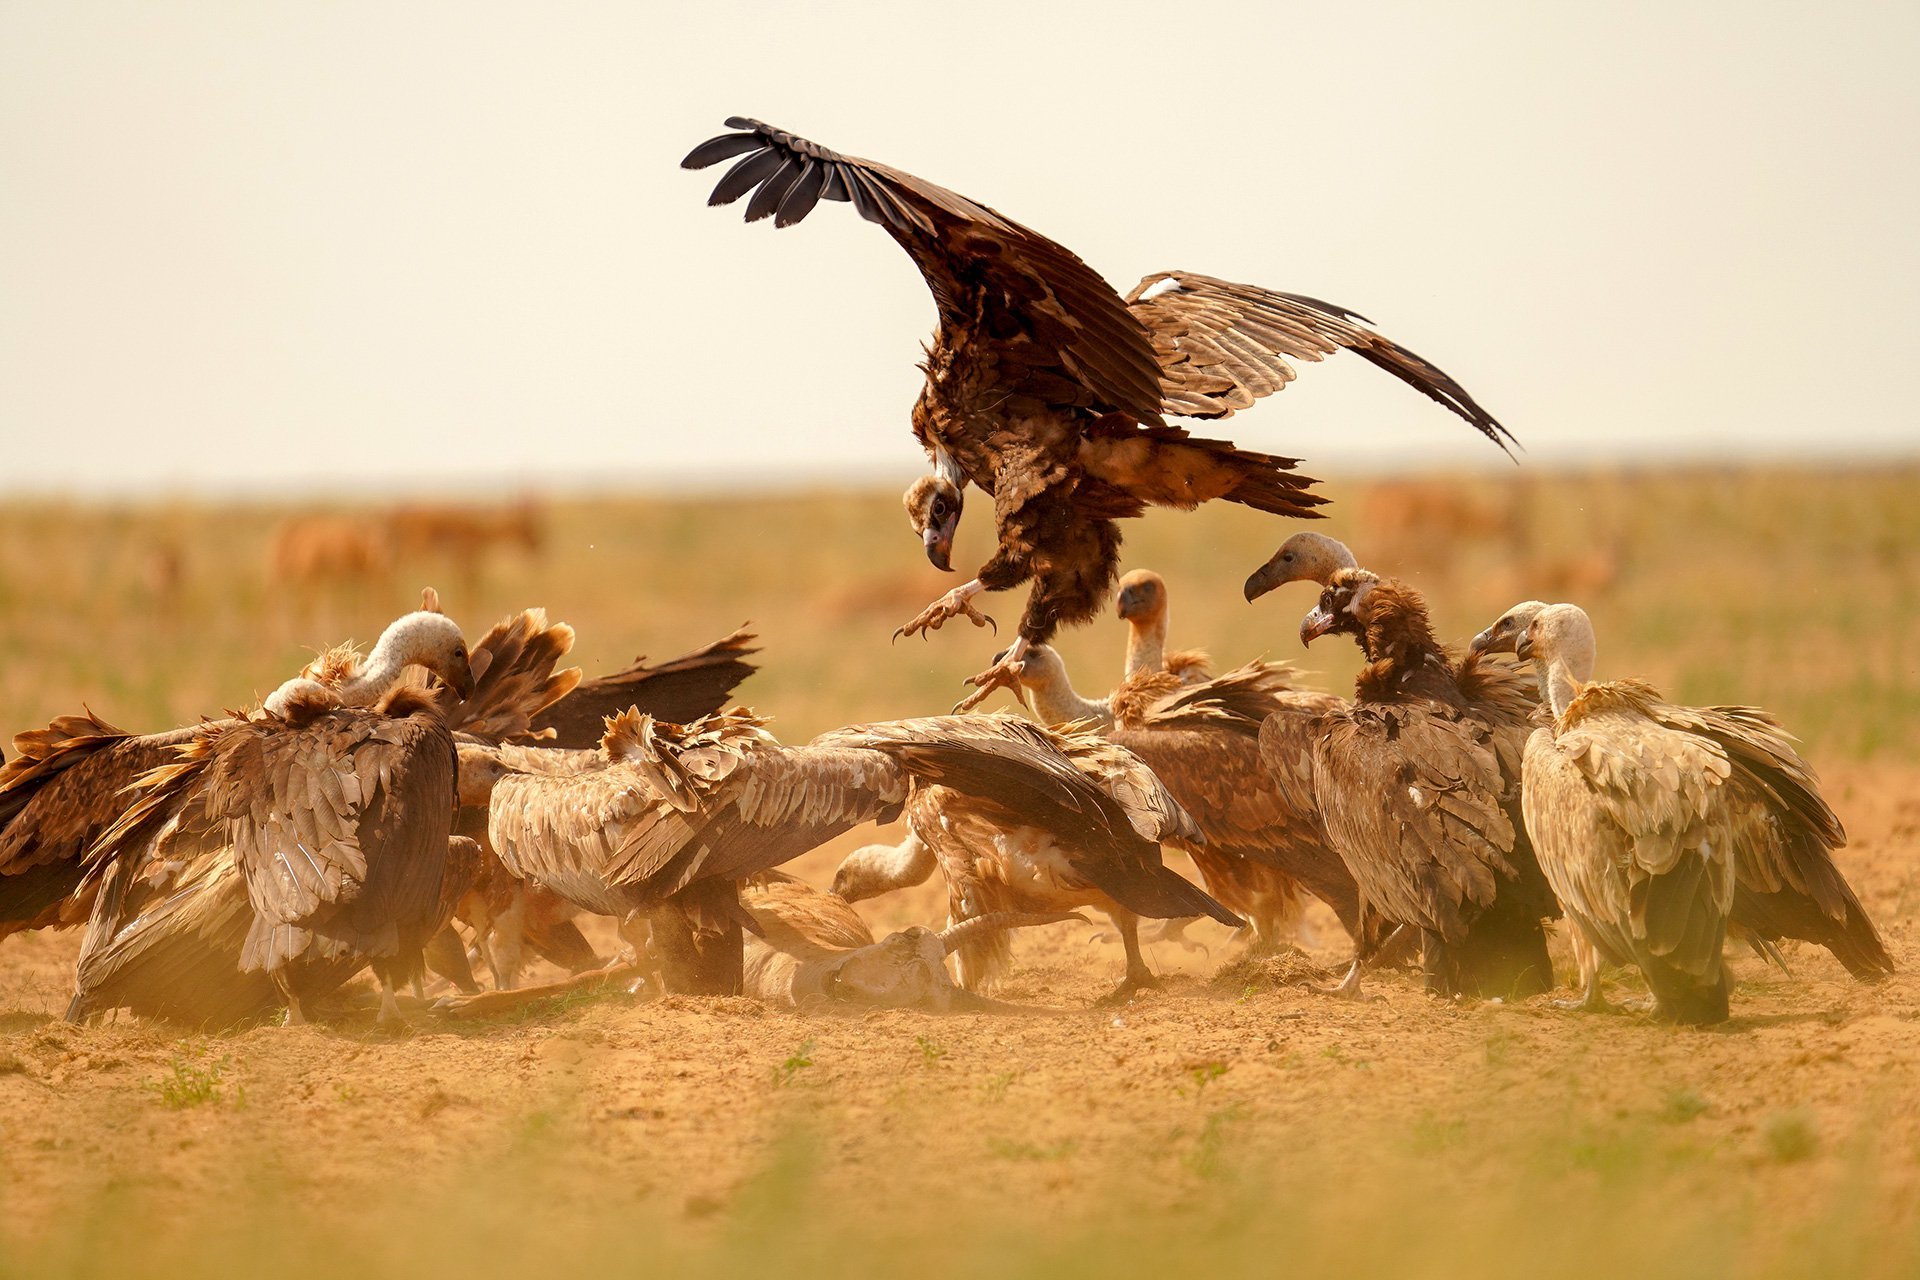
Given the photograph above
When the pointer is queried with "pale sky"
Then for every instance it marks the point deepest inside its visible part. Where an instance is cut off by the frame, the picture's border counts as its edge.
(263, 247)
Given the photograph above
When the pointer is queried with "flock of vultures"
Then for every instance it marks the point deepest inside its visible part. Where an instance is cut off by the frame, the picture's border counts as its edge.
(453, 805)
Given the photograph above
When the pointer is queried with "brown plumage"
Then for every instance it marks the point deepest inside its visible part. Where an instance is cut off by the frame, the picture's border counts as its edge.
(1637, 825)
(680, 691)
(66, 784)
(1046, 389)
(1263, 844)
(668, 819)
(1786, 883)
(307, 846)
(1417, 782)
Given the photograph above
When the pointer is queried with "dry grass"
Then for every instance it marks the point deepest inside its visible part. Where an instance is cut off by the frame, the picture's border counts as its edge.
(1232, 1125)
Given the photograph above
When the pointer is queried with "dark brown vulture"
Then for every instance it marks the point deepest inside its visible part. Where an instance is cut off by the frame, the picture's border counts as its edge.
(299, 846)
(680, 692)
(1786, 883)
(667, 820)
(1203, 742)
(65, 785)
(1046, 389)
(1637, 825)
(1417, 783)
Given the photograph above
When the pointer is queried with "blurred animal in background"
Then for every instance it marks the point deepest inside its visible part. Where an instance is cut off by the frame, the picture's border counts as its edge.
(1046, 389)
(313, 552)
(461, 539)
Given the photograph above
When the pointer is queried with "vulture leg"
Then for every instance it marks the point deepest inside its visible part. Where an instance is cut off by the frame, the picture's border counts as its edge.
(697, 933)
(1003, 674)
(389, 1015)
(957, 603)
(1138, 975)
(296, 1016)
(447, 956)
(1348, 988)
(1175, 931)
(506, 941)
(1590, 1001)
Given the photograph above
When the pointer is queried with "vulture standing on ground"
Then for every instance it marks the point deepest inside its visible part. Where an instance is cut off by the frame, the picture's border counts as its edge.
(1786, 883)
(1417, 783)
(1637, 823)
(1046, 389)
(335, 820)
(1203, 743)
(666, 820)
(66, 784)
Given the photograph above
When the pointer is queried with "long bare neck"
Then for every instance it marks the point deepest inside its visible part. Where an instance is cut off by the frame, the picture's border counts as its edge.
(376, 675)
(1147, 643)
(1056, 702)
(1562, 687)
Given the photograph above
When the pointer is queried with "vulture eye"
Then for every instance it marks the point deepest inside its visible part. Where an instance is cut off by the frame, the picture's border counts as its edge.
(1287, 556)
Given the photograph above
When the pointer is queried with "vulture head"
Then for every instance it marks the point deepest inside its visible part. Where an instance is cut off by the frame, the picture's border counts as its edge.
(933, 507)
(480, 768)
(1342, 607)
(1560, 635)
(1142, 596)
(430, 640)
(1504, 635)
(1305, 557)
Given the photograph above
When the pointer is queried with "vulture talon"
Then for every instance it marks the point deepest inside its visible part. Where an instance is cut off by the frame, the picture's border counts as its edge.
(955, 604)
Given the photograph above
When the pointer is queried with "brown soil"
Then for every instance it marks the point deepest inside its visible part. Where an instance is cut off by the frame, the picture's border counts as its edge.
(677, 1103)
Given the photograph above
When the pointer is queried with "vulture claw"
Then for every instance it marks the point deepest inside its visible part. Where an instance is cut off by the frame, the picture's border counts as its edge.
(1004, 674)
(957, 603)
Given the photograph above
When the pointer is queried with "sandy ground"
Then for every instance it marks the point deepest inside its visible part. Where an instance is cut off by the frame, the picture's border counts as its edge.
(676, 1104)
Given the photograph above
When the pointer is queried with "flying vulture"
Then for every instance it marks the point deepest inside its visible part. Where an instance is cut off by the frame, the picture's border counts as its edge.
(1785, 882)
(1417, 783)
(1047, 389)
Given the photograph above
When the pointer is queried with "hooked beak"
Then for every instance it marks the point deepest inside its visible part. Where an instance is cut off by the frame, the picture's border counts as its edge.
(1523, 645)
(1264, 579)
(460, 679)
(1481, 643)
(939, 543)
(1129, 602)
(1316, 624)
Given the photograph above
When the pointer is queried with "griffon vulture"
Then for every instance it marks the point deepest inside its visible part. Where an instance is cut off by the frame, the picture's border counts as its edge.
(1203, 743)
(299, 845)
(1141, 602)
(1637, 824)
(1417, 783)
(1786, 884)
(1046, 389)
(66, 783)
(666, 820)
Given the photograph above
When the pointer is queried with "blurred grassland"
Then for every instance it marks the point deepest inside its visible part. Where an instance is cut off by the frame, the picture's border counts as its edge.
(1794, 588)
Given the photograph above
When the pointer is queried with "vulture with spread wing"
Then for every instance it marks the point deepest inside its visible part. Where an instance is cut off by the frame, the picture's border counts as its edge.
(1417, 783)
(665, 820)
(1203, 742)
(298, 845)
(1786, 884)
(66, 784)
(1047, 389)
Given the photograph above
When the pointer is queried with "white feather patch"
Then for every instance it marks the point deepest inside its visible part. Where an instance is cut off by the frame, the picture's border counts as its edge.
(1157, 288)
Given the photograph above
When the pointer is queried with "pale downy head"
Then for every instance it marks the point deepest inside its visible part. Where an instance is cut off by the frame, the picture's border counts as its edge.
(480, 768)
(1305, 557)
(1504, 635)
(425, 639)
(1141, 597)
(1561, 635)
(933, 508)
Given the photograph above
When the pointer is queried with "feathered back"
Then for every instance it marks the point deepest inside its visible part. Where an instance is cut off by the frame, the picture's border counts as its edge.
(680, 691)
(514, 678)
(685, 763)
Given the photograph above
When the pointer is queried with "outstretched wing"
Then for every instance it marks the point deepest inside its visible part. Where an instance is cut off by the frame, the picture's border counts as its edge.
(679, 691)
(1060, 331)
(1222, 345)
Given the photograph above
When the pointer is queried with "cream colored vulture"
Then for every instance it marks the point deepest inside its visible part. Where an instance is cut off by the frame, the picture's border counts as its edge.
(1304, 557)
(1637, 825)
(665, 821)
(1141, 602)
(1203, 742)
(66, 783)
(1417, 783)
(337, 823)
(1786, 884)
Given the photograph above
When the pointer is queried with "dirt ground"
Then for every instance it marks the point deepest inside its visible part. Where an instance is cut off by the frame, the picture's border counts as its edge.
(678, 1104)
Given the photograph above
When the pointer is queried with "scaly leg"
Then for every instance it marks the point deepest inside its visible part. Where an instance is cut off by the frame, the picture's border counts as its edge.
(1138, 975)
(956, 603)
(1587, 956)
(1003, 674)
